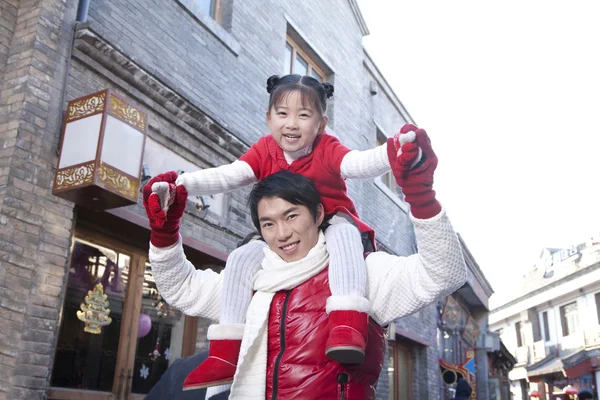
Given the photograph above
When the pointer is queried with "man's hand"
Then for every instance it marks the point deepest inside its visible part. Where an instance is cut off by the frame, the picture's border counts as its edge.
(164, 221)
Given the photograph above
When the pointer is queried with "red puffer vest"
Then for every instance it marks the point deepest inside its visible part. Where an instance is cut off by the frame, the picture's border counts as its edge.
(297, 367)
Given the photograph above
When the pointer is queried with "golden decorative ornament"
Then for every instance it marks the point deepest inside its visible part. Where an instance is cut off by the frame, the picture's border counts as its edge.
(114, 179)
(94, 312)
(129, 114)
(85, 107)
(74, 176)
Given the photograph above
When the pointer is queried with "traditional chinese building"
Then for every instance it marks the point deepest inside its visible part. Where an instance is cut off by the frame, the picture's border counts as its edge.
(552, 326)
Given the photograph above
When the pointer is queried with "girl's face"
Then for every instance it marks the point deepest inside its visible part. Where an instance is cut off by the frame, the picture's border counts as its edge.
(294, 125)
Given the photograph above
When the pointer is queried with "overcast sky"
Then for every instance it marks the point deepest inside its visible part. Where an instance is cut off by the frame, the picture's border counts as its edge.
(510, 95)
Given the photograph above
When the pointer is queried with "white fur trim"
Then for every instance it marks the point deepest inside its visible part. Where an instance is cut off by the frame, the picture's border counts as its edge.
(225, 332)
(345, 303)
(161, 189)
(407, 137)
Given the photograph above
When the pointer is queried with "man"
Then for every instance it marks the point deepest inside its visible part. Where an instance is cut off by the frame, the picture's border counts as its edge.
(282, 350)
(463, 390)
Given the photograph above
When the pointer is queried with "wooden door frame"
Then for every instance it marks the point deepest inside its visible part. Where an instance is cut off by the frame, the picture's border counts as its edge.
(132, 304)
(394, 346)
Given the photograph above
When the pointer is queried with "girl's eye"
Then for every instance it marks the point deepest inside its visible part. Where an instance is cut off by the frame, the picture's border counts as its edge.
(304, 115)
(281, 113)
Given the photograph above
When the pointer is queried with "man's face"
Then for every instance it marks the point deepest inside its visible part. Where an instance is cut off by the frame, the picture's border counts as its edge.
(289, 229)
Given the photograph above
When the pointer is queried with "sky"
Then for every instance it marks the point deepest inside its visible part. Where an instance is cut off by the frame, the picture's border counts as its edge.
(509, 93)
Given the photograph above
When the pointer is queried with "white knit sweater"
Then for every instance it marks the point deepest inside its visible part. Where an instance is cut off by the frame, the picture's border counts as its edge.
(397, 286)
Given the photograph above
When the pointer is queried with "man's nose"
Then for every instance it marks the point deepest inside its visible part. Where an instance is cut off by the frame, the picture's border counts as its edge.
(283, 232)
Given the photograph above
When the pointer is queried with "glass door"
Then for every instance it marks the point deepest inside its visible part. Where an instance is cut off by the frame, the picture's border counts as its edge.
(111, 322)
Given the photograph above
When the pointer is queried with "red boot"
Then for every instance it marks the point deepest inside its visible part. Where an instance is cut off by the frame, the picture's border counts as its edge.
(348, 329)
(219, 367)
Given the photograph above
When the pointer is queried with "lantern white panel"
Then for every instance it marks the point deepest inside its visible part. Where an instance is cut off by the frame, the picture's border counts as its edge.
(122, 147)
(80, 141)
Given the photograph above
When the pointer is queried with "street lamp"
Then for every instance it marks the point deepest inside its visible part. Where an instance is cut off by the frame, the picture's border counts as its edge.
(101, 151)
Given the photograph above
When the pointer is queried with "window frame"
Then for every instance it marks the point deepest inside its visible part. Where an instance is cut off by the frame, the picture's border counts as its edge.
(519, 332)
(216, 10)
(597, 299)
(312, 65)
(564, 320)
(545, 325)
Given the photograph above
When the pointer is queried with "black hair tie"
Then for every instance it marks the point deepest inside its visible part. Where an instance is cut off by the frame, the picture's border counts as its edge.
(272, 82)
(328, 89)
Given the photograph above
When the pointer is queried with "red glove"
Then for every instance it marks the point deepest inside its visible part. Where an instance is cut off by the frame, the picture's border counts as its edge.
(164, 228)
(417, 183)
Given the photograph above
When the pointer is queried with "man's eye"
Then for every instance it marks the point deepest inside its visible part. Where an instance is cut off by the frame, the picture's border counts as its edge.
(292, 216)
(267, 225)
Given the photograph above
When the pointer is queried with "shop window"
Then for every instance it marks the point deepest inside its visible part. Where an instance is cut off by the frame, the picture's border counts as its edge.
(569, 318)
(446, 345)
(99, 359)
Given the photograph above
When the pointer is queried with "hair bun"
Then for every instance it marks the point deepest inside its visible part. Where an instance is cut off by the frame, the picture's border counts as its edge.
(328, 89)
(272, 82)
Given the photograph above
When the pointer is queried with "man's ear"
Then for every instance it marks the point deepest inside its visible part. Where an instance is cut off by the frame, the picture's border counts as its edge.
(320, 214)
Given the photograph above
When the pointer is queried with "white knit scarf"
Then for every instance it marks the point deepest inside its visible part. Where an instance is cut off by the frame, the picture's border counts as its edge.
(250, 377)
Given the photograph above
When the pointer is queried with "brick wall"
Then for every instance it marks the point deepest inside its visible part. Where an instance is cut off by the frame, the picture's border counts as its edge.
(35, 226)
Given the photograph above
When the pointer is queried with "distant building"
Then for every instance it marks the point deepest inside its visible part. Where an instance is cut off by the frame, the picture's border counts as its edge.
(553, 328)
(465, 344)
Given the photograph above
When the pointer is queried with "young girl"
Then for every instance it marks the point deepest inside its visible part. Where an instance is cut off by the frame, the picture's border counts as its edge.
(298, 143)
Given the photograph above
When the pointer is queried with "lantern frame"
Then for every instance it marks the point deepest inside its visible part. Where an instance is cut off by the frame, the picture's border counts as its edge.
(94, 183)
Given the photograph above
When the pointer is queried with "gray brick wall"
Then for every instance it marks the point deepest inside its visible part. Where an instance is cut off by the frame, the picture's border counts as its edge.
(35, 226)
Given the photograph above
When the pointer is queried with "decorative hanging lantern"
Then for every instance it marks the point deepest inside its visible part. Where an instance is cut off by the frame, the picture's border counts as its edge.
(94, 312)
(535, 394)
(101, 152)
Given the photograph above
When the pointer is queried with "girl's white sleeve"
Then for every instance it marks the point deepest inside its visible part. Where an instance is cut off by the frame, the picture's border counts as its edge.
(364, 164)
(399, 286)
(217, 180)
(195, 292)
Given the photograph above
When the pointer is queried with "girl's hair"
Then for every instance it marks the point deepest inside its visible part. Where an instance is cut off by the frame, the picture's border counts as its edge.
(311, 90)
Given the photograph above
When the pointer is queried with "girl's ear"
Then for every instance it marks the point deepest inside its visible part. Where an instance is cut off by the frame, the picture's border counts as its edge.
(268, 115)
(324, 122)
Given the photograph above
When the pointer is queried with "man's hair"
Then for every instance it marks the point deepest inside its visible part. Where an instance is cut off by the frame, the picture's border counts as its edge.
(585, 395)
(288, 186)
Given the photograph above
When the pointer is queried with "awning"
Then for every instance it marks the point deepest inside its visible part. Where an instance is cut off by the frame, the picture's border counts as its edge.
(572, 365)
(545, 367)
(581, 368)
